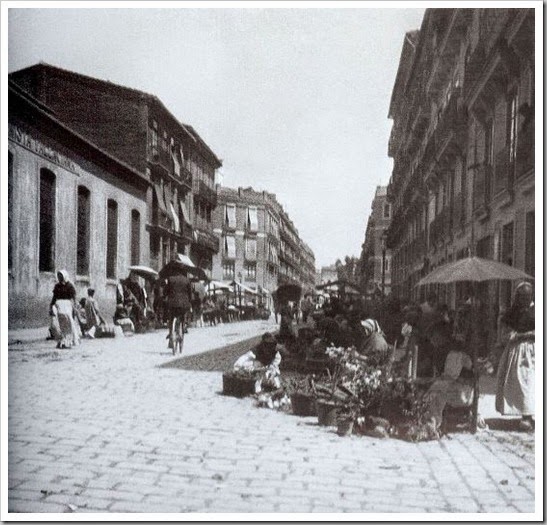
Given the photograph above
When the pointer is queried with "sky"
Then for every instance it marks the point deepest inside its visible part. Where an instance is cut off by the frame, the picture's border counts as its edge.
(294, 101)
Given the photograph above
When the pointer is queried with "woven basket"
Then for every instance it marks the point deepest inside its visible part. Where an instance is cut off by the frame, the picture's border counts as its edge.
(327, 413)
(239, 387)
(303, 404)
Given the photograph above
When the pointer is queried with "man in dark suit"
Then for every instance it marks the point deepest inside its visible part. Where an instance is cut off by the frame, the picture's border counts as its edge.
(178, 294)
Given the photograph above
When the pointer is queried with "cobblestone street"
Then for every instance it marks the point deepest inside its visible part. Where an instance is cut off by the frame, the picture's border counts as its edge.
(102, 429)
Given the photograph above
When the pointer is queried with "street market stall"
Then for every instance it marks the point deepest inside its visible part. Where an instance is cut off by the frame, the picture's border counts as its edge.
(246, 300)
(473, 270)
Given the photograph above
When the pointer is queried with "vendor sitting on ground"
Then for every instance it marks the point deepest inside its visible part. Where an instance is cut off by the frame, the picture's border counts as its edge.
(265, 357)
(454, 387)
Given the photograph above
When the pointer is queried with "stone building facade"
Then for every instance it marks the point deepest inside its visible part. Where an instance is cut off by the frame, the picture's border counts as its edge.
(139, 130)
(259, 245)
(329, 274)
(71, 206)
(375, 261)
(462, 142)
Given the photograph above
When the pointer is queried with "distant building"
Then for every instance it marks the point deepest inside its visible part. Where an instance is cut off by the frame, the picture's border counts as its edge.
(318, 278)
(375, 259)
(329, 274)
(72, 206)
(259, 245)
(139, 130)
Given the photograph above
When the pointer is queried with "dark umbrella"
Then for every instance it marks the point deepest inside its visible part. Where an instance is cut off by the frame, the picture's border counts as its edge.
(178, 267)
(288, 292)
(474, 270)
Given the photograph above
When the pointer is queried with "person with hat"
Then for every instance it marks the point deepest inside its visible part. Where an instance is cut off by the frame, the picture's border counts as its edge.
(178, 299)
(266, 358)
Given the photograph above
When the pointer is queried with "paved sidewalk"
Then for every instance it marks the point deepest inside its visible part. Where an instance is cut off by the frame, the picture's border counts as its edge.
(102, 429)
(27, 335)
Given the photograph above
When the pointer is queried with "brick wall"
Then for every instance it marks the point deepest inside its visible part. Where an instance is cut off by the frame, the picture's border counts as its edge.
(107, 116)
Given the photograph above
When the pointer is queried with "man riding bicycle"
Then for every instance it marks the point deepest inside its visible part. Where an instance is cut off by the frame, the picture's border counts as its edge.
(178, 293)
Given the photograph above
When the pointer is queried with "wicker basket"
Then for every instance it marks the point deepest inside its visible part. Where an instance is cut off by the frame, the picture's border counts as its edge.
(239, 387)
(303, 404)
(345, 426)
(327, 413)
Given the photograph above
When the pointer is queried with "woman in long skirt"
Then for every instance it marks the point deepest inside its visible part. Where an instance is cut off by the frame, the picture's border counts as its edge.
(62, 311)
(515, 394)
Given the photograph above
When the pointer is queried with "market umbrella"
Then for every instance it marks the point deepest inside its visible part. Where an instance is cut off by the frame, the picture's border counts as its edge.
(214, 286)
(288, 292)
(243, 288)
(143, 271)
(474, 270)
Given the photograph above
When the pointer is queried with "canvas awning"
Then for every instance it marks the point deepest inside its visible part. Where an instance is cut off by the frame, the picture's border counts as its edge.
(176, 164)
(218, 286)
(167, 193)
(185, 213)
(244, 288)
(175, 217)
(161, 201)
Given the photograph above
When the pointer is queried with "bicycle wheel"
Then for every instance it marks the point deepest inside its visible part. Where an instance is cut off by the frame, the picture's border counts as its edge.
(180, 335)
(173, 336)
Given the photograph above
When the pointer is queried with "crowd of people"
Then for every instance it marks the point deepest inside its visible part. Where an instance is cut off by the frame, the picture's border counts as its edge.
(71, 320)
(427, 341)
(141, 307)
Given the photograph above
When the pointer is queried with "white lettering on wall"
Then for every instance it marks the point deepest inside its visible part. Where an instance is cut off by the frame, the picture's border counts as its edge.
(15, 134)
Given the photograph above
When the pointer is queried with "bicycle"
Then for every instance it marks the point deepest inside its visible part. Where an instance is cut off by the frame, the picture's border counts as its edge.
(176, 338)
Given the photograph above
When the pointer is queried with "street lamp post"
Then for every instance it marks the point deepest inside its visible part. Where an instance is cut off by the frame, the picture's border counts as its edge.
(384, 235)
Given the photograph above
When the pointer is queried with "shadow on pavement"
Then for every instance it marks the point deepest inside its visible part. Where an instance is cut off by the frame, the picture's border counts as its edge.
(505, 424)
(218, 360)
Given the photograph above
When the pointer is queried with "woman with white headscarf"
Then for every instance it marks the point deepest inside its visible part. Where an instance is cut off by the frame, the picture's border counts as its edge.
(515, 394)
(64, 328)
(374, 339)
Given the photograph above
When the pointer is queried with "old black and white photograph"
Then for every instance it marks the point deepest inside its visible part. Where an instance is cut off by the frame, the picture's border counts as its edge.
(271, 261)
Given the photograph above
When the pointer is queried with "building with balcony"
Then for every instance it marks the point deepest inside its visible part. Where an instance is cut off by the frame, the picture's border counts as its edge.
(139, 130)
(71, 205)
(375, 261)
(328, 274)
(462, 143)
(259, 245)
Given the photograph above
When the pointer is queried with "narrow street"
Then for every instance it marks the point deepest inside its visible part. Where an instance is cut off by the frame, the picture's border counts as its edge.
(101, 428)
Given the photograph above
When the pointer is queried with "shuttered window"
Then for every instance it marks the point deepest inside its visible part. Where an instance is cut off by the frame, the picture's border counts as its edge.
(46, 261)
(252, 218)
(512, 123)
(228, 270)
(111, 238)
(83, 228)
(250, 271)
(230, 215)
(135, 237)
(230, 246)
(530, 248)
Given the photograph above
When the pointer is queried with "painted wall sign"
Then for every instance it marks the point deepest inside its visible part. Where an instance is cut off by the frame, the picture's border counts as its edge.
(17, 135)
